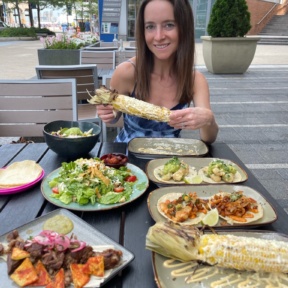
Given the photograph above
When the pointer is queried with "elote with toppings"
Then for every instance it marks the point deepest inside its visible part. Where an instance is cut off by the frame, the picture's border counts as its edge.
(130, 105)
(228, 251)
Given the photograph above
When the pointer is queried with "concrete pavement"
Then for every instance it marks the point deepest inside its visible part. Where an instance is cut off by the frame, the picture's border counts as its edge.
(19, 58)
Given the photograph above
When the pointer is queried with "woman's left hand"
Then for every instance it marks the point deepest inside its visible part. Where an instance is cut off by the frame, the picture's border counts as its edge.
(191, 118)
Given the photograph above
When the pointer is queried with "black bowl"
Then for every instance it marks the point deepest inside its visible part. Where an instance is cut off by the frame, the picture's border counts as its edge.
(71, 148)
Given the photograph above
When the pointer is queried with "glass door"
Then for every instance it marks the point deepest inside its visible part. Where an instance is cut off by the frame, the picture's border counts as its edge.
(201, 12)
(132, 9)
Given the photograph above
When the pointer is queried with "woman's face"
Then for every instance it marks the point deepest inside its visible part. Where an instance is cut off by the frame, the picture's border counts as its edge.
(161, 32)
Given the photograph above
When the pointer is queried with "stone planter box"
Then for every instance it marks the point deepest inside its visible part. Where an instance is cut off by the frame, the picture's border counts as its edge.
(59, 56)
(229, 55)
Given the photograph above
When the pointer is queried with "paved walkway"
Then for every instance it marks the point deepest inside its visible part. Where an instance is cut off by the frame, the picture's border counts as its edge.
(18, 58)
(251, 109)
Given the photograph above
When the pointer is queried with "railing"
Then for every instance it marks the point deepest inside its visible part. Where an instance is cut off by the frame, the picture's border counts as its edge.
(264, 17)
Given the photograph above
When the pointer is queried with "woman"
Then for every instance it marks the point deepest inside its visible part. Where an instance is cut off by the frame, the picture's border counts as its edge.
(162, 73)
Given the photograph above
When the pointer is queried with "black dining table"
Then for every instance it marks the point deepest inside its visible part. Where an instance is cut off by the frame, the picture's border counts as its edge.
(128, 224)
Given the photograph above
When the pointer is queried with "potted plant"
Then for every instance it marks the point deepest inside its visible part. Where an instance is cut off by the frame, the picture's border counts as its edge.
(64, 49)
(227, 49)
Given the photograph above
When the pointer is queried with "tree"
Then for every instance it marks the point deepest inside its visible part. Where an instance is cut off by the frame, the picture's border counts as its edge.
(229, 18)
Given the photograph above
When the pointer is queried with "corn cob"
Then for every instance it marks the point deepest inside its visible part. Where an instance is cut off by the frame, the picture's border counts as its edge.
(130, 105)
(244, 253)
(227, 251)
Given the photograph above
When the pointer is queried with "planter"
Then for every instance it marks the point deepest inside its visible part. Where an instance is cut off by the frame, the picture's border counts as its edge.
(59, 56)
(228, 55)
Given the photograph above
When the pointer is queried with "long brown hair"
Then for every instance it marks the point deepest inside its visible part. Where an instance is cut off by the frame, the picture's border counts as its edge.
(184, 59)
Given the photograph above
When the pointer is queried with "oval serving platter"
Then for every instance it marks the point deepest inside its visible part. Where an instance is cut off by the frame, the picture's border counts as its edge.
(197, 163)
(174, 274)
(207, 191)
(150, 148)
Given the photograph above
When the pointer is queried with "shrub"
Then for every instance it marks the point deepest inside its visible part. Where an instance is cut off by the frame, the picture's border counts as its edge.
(59, 42)
(18, 32)
(66, 41)
(229, 18)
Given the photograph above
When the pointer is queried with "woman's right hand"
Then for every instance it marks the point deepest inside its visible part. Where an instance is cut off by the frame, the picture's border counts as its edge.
(106, 113)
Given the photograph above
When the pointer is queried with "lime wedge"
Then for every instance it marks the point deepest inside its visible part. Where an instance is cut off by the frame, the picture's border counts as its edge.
(211, 218)
(193, 180)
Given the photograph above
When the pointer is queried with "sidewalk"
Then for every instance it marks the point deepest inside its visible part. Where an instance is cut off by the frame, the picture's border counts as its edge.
(19, 58)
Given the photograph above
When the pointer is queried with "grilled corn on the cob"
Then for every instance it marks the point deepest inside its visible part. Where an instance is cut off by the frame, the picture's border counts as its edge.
(244, 253)
(228, 251)
(130, 105)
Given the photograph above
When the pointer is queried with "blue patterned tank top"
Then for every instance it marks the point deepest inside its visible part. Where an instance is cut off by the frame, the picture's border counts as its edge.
(139, 127)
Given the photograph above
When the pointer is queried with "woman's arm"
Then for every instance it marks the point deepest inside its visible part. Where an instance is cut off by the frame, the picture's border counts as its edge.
(123, 82)
(200, 116)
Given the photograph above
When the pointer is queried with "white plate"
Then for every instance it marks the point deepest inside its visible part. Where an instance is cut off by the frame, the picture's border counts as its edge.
(84, 231)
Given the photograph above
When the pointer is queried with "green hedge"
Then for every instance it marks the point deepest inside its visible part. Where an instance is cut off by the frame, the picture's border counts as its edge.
(25, 32)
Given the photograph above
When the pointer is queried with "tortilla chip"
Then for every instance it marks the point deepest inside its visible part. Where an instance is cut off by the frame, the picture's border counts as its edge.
(205, 178)
(25, 274)
(171, 197)
(158, 173)
(43, 276)
(78, 276)
(18, 254)
(58, 281)
(94, 266)
(19, 173)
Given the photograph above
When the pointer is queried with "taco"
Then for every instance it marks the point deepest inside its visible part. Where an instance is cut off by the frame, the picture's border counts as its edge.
(174, 171)
(236, 207)
(219, 171)
(184, 209)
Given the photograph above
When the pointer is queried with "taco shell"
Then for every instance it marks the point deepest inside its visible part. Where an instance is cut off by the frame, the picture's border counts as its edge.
(256, 217)
(202, 174)
(19, 173)
(171, 197)
(158, 173)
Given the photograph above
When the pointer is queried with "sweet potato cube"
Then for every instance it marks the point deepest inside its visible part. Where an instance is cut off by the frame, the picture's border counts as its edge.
(18, 254)
(78, 276)
(25, 274)
(95, 266)
(58, 281)
(43, 276)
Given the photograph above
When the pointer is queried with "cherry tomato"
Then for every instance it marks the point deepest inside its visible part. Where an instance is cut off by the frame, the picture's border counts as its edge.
(118, 189)
(131, 178)
(55, 190)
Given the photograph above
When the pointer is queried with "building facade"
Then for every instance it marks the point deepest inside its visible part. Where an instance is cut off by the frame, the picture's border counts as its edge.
(119, 16)
(261, 13)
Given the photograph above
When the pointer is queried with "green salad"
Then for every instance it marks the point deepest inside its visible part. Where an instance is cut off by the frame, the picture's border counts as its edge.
(73, 132)
(90, 181)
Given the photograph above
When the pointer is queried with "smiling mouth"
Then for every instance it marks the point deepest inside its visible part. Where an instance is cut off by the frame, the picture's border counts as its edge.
(161, 46)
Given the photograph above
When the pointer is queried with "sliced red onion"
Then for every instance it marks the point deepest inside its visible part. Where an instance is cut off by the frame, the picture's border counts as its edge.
(51, 240)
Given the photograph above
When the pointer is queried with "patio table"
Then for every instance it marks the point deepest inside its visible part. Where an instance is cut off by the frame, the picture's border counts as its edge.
(127, 224)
